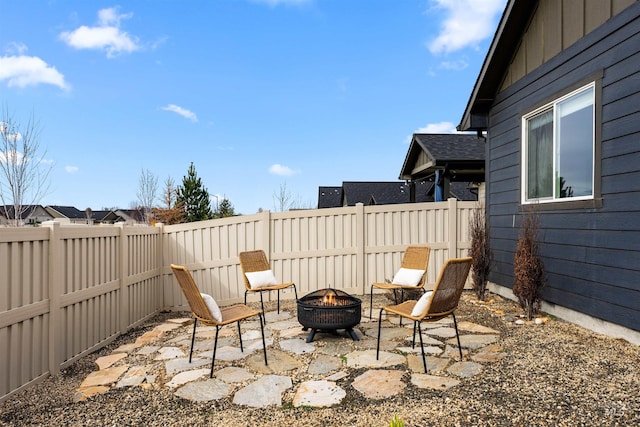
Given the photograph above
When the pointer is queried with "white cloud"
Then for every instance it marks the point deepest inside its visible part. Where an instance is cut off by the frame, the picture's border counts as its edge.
(281, 170)
(457, 65)
(467, 23)
(442, 127)
(16, 48)
(71, 169)
(107, 35)
(22, 71)
(181, 111)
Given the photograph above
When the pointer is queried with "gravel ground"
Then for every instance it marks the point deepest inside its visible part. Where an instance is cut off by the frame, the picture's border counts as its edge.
(554, 374)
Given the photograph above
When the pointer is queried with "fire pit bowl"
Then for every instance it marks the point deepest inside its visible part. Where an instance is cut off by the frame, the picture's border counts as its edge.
(329, 310)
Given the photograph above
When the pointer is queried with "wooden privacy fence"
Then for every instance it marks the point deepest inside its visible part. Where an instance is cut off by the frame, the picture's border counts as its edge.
(66, 291)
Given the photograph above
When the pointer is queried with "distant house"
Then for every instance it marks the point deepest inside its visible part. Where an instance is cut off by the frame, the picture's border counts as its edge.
(31, 215)
(70, 214)
(453, 163)
(559, 99)
(89, 216)
(371, 193)
(127, 216)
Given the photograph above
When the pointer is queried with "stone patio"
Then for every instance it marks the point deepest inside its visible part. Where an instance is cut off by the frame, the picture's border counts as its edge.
(312, 374)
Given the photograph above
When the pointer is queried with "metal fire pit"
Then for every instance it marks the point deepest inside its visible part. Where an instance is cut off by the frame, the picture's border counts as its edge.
(329, 310)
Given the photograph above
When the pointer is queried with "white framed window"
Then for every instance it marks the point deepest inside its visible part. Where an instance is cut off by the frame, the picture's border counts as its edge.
(558, 149)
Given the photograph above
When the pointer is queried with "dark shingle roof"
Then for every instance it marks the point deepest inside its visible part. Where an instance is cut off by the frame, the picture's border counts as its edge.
(69, 212)
(329, 197)
(460, 155)
(375, 193)
(452, 146)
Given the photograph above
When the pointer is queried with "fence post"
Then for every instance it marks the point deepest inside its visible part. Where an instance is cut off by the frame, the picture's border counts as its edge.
(55, 292)
(160, 301)
(124, 273)
(453, 227)
(265, 233)
(360, 246)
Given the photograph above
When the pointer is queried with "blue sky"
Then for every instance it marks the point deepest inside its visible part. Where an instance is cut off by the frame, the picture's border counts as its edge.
(256, 93)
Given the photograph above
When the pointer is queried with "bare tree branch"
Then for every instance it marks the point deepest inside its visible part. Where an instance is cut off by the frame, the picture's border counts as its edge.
(24, 170)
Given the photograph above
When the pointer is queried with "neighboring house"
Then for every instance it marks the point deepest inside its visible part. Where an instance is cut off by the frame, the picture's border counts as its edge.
(31, 215)
(128, 216)
(454, 163)
(387, 193)
(88, 216)
(559, 98)
(368, 193)
(71, 214)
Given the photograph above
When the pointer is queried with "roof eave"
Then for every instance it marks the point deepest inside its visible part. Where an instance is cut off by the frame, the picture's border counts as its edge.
(512, 24)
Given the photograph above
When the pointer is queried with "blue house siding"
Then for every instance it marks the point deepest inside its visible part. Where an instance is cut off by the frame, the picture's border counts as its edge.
(591, 255)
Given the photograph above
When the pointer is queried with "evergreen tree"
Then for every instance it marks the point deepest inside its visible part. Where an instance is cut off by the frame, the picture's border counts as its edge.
(194, 197)
(225, 209)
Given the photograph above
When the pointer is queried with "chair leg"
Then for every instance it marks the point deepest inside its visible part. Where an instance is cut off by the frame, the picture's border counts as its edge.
(371, 304)
(413, 342)
(264, 346)
(295, 291)
(379, 331)
(240, 336)
(245, 297)
(262, 303)
(457, 335)
(193, 337)
(278, 301)
(424, 360)
(215, 347)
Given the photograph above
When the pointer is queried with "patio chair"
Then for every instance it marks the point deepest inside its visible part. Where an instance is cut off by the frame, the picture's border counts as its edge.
(205, 309)
(411, 275)
(258, 276)
(434, 305)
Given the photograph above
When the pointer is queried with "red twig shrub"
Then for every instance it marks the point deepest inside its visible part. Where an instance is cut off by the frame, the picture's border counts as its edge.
(529, 276)
(480, 251)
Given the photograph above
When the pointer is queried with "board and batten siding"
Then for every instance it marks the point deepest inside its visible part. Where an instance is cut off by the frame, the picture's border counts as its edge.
(590, 255)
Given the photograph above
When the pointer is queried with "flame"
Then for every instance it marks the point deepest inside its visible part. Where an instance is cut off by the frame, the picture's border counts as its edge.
(329, 299)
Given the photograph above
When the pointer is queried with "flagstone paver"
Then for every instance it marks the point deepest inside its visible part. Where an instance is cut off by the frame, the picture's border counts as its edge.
(474, 342)
(297, 346)
(434, 364)
(442, 332)
(87, 392)
(266, 391)
(179, 365)
(148, 349)
(318, 394)
(106, 361)
(433, 381)
(169, 353)
(428, 349)
(379, 383)
(473, 327)
(274, 316)
(367, 359)
(465, 369)
(279, 362)
(136, 375)
(490, 353)
(232, 374)
(337, 376)
(104, 376)
(324, 364)
(186, 376)
(336, 347)
(204, 391)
